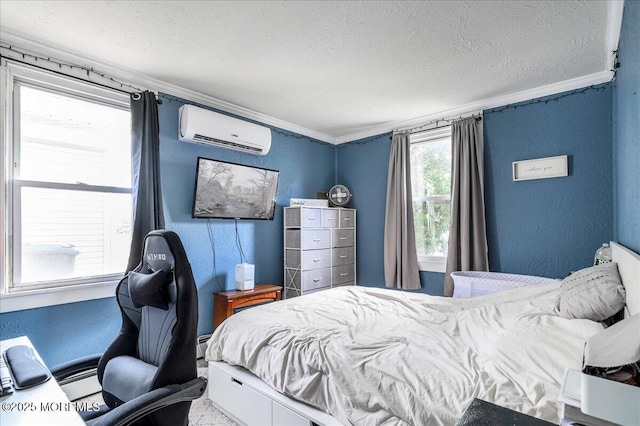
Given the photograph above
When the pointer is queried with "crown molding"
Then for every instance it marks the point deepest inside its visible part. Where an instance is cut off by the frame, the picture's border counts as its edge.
(615, 9)
(230, 108)
(145, 82)
(484, 104)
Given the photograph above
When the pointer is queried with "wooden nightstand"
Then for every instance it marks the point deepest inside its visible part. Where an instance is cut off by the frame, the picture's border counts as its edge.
(226, 302)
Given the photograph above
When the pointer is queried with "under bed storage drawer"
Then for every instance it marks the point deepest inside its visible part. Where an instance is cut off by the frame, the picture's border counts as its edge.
(250, 401)
(239, 400)
(282, 416)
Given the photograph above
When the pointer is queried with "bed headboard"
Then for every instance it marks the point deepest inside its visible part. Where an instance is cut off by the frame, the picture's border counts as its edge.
(629, 268)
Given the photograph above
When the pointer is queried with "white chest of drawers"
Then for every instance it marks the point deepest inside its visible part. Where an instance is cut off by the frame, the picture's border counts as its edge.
(319, 249)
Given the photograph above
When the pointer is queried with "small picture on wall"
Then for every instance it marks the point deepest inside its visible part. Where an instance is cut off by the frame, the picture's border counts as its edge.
(540, 168)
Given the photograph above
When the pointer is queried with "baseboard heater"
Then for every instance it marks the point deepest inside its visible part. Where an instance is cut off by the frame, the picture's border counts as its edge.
(201, 347)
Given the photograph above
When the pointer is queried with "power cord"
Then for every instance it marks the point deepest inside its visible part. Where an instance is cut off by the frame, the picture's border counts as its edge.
(243, 258)
(213, 254)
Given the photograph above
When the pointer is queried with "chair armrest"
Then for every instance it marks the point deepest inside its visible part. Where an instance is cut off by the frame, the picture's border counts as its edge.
(143, 405)
(68, 369)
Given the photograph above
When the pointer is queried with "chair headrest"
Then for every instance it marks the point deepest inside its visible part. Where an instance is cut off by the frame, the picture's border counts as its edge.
(150, 289)
(157, 254)
(153, 282)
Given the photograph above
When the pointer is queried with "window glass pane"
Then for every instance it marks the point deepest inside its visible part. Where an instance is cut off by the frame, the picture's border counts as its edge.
(73, 234)
(431, 185)
(431, 168)
(431, 220)
(70, 140)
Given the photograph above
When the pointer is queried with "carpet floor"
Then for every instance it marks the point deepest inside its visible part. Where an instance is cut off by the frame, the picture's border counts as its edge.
(202, 412)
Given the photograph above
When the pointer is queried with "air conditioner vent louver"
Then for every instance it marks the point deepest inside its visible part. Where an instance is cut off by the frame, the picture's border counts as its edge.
(232, 145)
(211, 128)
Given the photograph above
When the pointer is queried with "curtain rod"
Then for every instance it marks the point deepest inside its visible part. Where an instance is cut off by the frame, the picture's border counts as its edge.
(447, 122)
(88, 70)
(63, 74)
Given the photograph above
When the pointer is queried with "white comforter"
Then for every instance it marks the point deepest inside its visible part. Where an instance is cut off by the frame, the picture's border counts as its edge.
(373, 356)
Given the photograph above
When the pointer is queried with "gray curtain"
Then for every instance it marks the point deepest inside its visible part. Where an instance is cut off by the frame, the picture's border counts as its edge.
(145, 164)
(400, 258)
(467, 234)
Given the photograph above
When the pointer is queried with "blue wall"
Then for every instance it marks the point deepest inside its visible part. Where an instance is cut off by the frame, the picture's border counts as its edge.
(549, 227)
(542, 227)
(362, 167)
(626, 110)
(65, 332)
(306, 166)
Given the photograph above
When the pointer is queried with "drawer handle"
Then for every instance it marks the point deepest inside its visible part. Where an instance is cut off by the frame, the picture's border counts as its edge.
(311, 218)
(316, 260)
(343, 238)
(236, 381)
(316, 240)
(347, 218)
(343, 275)
(344, 256)
(315, 280)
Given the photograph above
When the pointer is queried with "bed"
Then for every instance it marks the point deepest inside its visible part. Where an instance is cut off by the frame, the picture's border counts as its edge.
(377, 356)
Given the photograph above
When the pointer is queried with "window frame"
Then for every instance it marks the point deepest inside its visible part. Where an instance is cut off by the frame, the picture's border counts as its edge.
(432, 263)
(14, 298)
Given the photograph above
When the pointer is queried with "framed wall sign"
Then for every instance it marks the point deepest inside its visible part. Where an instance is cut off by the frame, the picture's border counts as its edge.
(540, 168)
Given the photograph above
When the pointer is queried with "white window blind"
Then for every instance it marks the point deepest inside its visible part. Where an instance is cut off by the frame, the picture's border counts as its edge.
(70, 192)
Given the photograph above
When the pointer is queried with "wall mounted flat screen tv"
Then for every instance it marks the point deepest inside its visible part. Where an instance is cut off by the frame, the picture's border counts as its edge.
(234, 191)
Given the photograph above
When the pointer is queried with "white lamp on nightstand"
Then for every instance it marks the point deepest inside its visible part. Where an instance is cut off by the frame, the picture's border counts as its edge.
(604, 398)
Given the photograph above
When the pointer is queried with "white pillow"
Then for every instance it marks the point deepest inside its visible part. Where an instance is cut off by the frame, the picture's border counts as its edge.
(594, 293)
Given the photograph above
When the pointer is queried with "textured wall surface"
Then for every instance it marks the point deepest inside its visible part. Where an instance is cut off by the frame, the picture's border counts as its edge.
(549, 227)
(626, 109)
(362, 167)
(65, 332)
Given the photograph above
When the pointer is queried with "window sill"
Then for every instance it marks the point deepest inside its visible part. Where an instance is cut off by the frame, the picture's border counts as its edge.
(30, 299)
(432, 264)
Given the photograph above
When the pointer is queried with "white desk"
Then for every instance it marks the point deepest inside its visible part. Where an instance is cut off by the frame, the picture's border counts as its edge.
(44, 404)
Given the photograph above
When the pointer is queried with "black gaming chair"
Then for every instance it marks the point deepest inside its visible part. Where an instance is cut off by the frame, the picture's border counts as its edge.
(148, 374)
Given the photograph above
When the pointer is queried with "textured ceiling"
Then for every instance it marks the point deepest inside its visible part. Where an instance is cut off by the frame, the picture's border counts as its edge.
(336, 68)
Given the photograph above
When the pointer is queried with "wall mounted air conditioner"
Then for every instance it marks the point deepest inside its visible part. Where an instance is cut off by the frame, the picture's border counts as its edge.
(211, 128)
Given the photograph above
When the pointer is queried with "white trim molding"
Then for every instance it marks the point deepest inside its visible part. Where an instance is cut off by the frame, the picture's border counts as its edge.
(21, 300)
(432, 263)
(615, 9)
(21, 297)
(484, 104)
